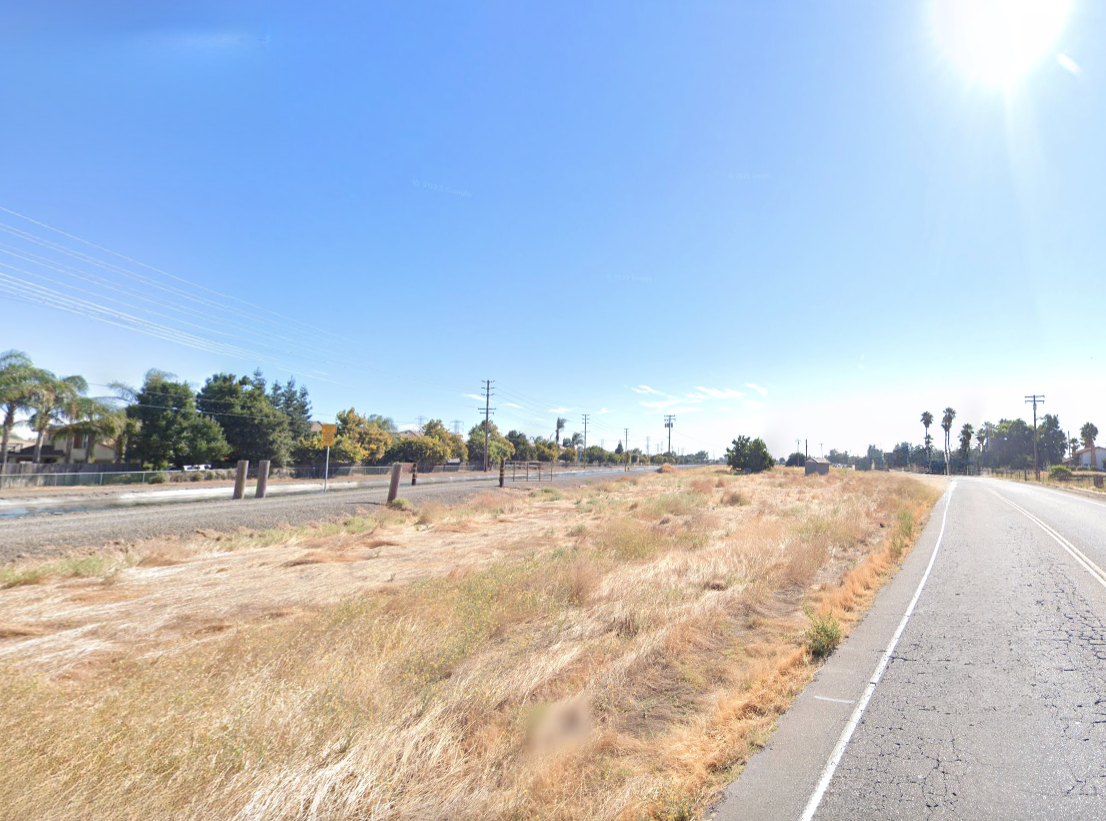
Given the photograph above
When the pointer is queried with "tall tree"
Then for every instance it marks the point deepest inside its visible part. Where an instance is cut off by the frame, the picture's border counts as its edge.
(254, 428)
(18, 379)
(170, 429)
(53, 401)
(366, 433)
(1089, 433)
(498, 445)
(927, 420)
(946, 426)
(294, 403)
(1052, 442)
(560, 426)
(965, 449)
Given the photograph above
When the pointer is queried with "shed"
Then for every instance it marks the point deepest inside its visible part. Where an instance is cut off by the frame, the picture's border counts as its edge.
(815, 465)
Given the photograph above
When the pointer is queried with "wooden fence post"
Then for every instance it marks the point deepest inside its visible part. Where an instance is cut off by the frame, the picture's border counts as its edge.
(393, 488)
(262, 479)
(240, 479)
(502, 472)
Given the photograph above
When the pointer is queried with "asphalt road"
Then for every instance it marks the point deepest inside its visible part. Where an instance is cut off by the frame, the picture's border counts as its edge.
(44, 534)
(992, 703)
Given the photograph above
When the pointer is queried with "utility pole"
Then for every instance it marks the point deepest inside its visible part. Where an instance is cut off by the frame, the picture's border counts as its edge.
(586, 415)
(821, 452)
(669, 418)
(487, 417)
(1035, 398)
(626, 445)
(647, 448)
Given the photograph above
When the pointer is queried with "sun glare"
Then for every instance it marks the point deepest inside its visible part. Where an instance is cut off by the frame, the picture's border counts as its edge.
(998, 41)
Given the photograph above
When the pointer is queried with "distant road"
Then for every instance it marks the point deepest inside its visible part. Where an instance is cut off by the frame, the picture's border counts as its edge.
(46, 534)
(993, 702)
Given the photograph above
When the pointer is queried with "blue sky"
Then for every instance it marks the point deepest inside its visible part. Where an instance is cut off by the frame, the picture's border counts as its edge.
(796, 220)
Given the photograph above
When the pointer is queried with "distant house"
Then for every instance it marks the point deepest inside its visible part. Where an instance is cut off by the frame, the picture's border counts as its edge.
(816, 465)
(55, 450)
(1089, 457)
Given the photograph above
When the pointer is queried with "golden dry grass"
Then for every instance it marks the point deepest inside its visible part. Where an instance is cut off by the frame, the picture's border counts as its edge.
(612, 654)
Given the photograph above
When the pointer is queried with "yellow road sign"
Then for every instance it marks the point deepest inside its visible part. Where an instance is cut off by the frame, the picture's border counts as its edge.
(328, 432)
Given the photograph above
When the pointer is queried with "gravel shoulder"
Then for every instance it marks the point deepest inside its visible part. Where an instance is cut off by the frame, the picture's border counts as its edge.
(47, 535)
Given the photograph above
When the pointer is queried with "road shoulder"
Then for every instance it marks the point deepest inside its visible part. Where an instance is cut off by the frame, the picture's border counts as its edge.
(778, 781)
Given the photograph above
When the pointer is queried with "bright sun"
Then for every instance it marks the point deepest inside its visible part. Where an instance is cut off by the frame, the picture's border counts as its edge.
(997, 41)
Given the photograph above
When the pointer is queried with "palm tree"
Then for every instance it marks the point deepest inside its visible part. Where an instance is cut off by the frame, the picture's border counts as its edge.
(94, 420)
(52, 400)
(1089, 433)
(946, 426)
(927, 420)
(18, 378)
(557, 433)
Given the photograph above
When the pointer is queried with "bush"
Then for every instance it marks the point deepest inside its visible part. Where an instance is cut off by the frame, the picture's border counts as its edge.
(1059, 473)
(399, 503)
(157, 479)
(823, 635)
(749, 456)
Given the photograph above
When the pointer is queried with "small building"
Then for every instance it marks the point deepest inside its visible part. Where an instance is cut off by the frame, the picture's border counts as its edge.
(1089, 457)
(816, 465)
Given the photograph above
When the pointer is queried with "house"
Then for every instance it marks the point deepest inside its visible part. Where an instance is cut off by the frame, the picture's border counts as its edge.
(816, 465)
(56, 449)
(1089, 457)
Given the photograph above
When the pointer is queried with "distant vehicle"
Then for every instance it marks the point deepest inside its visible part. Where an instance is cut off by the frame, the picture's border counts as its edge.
(197, 467)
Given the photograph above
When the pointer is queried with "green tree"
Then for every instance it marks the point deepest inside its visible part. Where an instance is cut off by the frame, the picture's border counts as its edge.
(170, 429)
(1089, 433)
(53, 402)
(292, 400)
(1052, 442)
(18, 380)
(498, 446)
(749, 455)
(1011, 444)
(546, 451)
(454, 443)
(366, 435)
(965, 449)
(795, 460)
(561, 422)
(252, 425)
(946, 426)
(927, 420)
(524, 449)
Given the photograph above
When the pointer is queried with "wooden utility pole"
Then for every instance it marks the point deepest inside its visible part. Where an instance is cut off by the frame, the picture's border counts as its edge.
(262, 479)
(626, 446)
(586, 415)
(669, 418)
(1035, 398)
(487, 418)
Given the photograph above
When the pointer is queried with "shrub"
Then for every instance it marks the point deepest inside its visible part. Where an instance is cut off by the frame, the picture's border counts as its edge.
(749, 456)
(157, 479)
(735, 498)
(823, 634)
(1059, 473)
(666, 468)
(399, 503)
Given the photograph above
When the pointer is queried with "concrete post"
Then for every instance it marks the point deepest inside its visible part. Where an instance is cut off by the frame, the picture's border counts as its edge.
(414, 473)
(240, 479)
(393, 487)
(262, 479)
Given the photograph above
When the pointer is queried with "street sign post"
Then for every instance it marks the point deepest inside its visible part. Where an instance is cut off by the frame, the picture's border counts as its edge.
(327, 435)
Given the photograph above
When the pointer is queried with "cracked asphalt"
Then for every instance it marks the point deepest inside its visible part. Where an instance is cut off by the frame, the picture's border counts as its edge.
(993, 704)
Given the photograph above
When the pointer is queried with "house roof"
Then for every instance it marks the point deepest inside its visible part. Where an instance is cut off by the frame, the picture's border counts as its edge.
(816, 460)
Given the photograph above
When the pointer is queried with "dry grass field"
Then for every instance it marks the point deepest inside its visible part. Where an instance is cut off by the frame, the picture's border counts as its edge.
(611, 651)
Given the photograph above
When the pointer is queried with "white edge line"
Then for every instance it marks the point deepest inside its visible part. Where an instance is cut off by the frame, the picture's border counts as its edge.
(1096, 572)
(836, 700)
(854, 719)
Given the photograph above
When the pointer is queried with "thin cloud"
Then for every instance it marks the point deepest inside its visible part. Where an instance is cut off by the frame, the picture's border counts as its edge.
(715, 393)
(645, 389)
(661, 404)
(558, 410)
(511, 405)
(473, 396)
(757, 388)
(605, 410)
